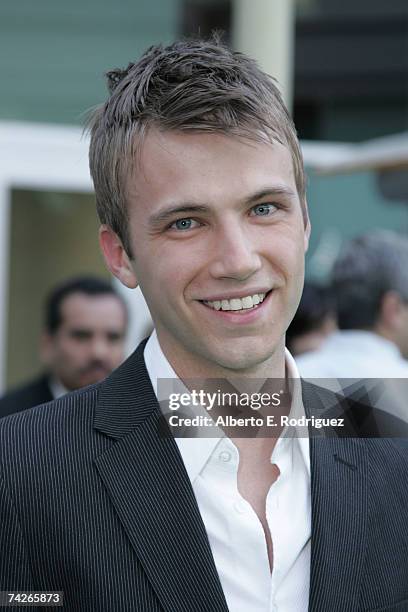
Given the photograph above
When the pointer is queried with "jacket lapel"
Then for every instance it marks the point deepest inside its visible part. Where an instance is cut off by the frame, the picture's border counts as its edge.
(339, 497)
(151, 492)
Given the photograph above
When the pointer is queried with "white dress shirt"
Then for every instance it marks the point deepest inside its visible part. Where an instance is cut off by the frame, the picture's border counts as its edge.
(354, 354)
(235, 533)
(57, 388)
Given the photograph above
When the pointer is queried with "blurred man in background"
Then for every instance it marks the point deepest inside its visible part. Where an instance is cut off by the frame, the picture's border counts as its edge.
(366, 358)
(370, 288)
(314, 321)
(82, 342)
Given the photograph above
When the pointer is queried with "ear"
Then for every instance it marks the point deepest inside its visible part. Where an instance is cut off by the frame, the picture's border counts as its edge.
(390, 310)
(116, 257)
(307, 224)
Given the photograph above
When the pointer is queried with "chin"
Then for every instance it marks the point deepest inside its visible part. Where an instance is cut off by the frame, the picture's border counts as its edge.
(244, 359)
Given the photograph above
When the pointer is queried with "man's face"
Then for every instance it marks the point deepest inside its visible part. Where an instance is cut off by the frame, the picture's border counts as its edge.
(89, 343)
(214, 219)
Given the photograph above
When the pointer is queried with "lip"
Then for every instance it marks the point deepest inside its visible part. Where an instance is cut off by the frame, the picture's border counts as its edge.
(235, 295)
(240, 317)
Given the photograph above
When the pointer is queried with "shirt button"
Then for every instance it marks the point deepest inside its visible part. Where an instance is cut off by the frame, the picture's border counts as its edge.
(239, 507)
(225, 456)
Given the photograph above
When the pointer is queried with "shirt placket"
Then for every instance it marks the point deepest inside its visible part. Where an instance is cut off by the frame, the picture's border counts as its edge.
(249, 574)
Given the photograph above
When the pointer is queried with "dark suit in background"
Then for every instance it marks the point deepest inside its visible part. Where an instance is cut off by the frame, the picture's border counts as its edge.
(31, 394)
(94, 503)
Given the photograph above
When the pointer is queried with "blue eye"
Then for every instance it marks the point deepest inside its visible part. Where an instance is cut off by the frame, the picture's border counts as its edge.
(263, 210)
(182, 224)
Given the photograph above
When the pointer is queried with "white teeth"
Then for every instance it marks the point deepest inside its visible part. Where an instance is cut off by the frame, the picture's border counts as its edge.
(244, 303)
(247, 302)
(236, 304)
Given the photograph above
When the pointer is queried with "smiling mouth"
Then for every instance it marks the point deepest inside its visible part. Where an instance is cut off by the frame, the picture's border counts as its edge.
(249, 302)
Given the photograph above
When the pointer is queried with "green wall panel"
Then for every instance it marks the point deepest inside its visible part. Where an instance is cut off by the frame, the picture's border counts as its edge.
(53, 54)
(344, 206)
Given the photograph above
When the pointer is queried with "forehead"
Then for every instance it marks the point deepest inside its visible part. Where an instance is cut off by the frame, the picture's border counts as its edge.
(199, 166)
(80, 309)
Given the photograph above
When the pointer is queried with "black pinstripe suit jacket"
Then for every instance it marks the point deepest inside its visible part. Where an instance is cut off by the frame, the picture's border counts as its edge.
(94, 503)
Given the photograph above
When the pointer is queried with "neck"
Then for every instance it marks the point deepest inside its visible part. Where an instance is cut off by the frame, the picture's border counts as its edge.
(383, 331)
(188, 365)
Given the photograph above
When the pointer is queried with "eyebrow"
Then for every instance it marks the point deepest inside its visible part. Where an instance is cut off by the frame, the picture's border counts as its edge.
(189, 208)
(168, 213)
(277, 190)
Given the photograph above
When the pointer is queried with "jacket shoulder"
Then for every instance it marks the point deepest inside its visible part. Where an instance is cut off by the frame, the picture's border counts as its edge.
(48, 424)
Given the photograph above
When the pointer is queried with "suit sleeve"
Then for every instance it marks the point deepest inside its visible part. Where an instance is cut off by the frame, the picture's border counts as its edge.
(15, 572)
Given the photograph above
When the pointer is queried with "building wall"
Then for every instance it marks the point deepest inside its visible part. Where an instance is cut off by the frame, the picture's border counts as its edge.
(53, 54)
(341, 207)
(53, 236)
(351, 70)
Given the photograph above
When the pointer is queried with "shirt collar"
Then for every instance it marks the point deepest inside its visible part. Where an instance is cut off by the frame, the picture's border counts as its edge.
(197, 451)
(56, 387)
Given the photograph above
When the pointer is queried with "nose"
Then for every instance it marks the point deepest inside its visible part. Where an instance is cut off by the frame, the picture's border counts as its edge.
(100, 349)
(235, 253)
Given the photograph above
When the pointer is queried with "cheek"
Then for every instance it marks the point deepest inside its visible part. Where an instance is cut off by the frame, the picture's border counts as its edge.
(286, 255)
(73, 354)
(169, 273)
(116, 353)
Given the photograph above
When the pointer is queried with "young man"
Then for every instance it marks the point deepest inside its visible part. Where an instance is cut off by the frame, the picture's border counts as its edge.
(82, 342)
(201, 193)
